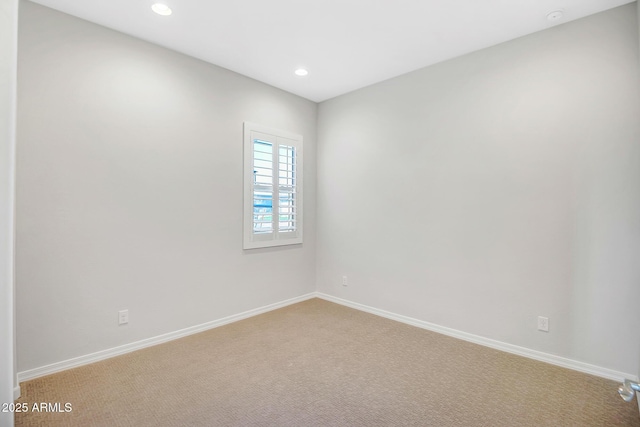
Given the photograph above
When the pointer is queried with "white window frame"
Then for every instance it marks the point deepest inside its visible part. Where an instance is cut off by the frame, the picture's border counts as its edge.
(277, 138)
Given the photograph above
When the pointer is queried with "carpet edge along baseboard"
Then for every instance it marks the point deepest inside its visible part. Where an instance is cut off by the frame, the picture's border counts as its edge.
(487, 342)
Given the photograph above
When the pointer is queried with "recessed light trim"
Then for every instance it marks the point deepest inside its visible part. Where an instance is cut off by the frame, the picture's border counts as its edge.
(301, 72)
(556, 15)
(161, 9)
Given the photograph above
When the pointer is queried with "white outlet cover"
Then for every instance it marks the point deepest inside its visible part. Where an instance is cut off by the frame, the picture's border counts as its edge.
(543, 324)
(123, 317)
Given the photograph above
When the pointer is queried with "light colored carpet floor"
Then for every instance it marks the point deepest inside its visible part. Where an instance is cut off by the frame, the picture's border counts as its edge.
(320, 364)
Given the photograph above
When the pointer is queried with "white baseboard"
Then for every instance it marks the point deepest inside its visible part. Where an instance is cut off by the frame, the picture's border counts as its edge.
(498, 345)
(16, 392)
(128, 348)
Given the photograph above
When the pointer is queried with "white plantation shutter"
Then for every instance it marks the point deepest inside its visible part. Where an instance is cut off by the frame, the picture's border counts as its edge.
(262, 186)
(273, 187)
(287, 194)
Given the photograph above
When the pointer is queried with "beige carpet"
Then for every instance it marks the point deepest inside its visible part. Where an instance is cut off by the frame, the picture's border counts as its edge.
(321, 364)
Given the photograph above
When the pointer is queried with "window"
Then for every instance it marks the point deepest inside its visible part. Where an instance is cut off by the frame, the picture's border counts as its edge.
(272, 187)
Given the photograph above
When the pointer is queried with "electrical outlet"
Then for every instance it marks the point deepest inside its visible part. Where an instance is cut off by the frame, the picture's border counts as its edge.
(344, 281)
(123, 317)
(543, 324)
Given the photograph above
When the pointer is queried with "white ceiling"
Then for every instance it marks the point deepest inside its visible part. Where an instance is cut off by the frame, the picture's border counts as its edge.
(345, 44)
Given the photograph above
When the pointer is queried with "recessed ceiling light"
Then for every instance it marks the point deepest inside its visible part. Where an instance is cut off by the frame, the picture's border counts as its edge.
(161, 9)
(301, 72)
(556, 15)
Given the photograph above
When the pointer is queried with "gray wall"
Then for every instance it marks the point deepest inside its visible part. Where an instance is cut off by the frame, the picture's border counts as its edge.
(482, 192)
(638, 21)
(129, 190)
(8, 52)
